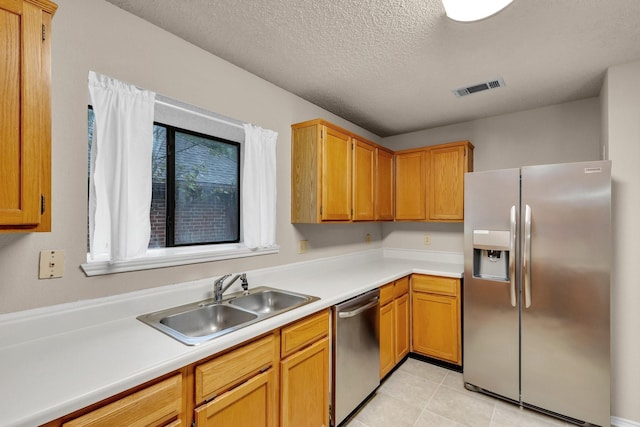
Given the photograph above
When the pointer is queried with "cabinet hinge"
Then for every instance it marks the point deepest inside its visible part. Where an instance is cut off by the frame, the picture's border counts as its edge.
(44, 33)
(43, 204)
(320, 210)
(193, 423)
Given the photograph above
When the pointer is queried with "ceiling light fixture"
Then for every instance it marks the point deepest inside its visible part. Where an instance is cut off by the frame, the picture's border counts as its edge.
(473, 10)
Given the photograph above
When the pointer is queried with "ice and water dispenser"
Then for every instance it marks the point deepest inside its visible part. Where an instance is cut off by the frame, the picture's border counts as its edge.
(491, 254)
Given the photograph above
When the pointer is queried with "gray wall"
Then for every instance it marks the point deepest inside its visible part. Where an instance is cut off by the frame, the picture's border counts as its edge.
(621, 135)
(95, 35)
(562, 133)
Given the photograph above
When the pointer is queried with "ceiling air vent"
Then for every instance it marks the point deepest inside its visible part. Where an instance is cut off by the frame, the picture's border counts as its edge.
(492, 84)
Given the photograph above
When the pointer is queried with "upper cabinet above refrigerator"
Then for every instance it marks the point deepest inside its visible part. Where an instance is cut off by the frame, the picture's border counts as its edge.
(430, 182)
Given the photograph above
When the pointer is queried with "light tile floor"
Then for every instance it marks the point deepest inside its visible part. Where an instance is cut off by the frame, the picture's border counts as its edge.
(419, 394)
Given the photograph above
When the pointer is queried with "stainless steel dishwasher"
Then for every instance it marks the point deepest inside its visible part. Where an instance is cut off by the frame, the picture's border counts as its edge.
(356, 353)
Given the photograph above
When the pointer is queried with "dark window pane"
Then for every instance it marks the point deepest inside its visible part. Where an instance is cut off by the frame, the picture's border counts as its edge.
(206, 190)
(158, 214)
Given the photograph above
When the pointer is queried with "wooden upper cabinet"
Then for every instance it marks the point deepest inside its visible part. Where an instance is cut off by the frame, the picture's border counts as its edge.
(320, 173)
(25, 128)
(447, 167)
(384, 184)
(364, 164)
(334, 176)
(411, 185)
(430, 182)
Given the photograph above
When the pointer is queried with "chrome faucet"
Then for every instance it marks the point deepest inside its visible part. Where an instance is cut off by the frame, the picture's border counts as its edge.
(219, 289)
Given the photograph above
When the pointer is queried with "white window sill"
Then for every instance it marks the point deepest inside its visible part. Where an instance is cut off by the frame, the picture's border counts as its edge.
(169, 257)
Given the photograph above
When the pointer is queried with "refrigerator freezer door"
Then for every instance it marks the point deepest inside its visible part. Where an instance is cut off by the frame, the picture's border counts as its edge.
(491, 337)
(565, 321)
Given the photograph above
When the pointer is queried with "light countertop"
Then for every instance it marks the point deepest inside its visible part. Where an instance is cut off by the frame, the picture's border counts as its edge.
(59, 359)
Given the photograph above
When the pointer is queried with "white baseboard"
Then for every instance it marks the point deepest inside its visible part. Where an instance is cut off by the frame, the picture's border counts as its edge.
(621, 422)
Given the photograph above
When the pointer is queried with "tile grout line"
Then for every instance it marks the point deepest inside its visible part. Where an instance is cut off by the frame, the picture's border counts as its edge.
(424, 408)
(493, 413)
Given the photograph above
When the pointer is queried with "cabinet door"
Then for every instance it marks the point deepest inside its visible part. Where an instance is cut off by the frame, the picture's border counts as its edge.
(384, 186)
(401, 313)
(305, 387)
(24, 108)
(336, 176)
(411, 186)
(446, 183)
(435, 323)
(387, 352)
(251, 404)
(364, 161)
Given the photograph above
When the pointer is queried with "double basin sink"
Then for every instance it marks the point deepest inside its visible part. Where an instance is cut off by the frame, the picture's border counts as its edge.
(202, 321)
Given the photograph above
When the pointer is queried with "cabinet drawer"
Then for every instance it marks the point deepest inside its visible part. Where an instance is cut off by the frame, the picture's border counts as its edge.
(225, 371)
(386, 294)
(304, 332)
(401, 287)
(435, 284)
(155, 405)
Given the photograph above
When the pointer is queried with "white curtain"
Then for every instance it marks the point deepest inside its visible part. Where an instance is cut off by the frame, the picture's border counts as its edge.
(120, 183)
(259, 187)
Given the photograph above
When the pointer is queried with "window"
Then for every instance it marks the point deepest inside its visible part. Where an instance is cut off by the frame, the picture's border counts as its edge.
(195, 187)
(196, 212)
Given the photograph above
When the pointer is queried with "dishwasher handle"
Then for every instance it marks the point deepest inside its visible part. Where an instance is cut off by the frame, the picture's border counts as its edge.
(352, 313)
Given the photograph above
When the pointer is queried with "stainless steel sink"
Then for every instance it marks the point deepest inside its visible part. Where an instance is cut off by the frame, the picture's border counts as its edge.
(205, 320)
(269, 301)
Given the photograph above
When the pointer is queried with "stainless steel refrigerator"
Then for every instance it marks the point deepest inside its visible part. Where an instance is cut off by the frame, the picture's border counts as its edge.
(536, 287)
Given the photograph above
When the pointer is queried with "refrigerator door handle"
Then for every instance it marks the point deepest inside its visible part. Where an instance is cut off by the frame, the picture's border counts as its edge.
(526, 258)
(512, 255)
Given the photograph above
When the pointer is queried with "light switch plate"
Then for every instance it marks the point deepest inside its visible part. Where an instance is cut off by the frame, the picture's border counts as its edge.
(51, 264)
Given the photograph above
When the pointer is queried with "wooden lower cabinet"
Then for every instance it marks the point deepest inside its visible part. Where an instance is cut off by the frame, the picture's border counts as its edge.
(160, 404)
(387, 346)
(401, 312)
(436, 325)
(251, 404)
(304, 372)
(394, 324)
(305, 387)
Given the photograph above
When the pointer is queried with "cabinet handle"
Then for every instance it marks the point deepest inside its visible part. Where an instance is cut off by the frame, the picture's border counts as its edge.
(526, 258)
(512, 255)
(352, 313)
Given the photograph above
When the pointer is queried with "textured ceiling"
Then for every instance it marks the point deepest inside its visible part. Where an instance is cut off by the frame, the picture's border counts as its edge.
(389, 65)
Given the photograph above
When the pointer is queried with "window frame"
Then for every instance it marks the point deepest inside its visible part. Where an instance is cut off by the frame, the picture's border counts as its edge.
(184, 254)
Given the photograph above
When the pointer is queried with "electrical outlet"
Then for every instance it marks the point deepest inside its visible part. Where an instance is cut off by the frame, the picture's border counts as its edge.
(368, 238)
(303, 246)
(427, 239)
(51, 264)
